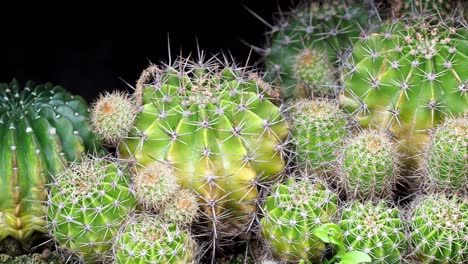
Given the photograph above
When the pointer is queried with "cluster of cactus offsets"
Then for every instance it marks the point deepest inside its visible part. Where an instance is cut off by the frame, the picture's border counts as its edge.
(308, 43)
(445, 165)
(319, 129)
(148, 239)
(439, 229)
(291, 211)
(376, 229)
(42, 128)
(368, 166)
(407, 79)
(89, 202)
(216, 125)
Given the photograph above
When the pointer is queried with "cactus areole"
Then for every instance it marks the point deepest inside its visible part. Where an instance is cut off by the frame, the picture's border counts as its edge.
(408, 78)
(41, 128)
(216, 125)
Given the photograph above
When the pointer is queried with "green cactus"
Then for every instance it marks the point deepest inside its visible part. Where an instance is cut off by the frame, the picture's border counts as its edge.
(291, 212)
(148, 239)
(376, 229)
(319, 129)
(42, 128)
(216, 125)
(368, 166)
(182, 209)
(407, 78)
(445, 166)
(439, 229)
(88, 203)
(308, 42)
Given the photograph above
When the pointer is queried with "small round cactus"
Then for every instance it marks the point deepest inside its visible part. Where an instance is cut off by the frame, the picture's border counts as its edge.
(112, 116)
(291, 212)
(149, 239)
(445, 166)
(439, 229)
(376, 229)
(88, 204)
(182, 209)
(155, 185)
(368, 166)
(319, 128)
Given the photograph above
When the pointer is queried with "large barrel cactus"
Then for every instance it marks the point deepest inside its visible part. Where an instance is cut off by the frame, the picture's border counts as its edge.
(216, 125)
(408, 78)
(42, 127)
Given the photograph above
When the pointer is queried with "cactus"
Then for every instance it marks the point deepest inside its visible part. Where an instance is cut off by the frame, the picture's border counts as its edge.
(307, 44)
(407, 78)
(148, 239)
(42, 128)
(182, 209)
(445, 166)
(291, 212)
(368, 166)
(438, 228)
(319, 129)
(376, 229)
(88, 203)
(216, 125)
(445, 8)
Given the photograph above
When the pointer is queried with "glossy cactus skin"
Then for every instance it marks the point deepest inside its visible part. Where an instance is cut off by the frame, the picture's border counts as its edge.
(292, 210)
(376, 229)
(88, 204)
(319, 130)
(42, 127)
(368, 166)
(149, 239)
(446, 157)
(216, 125)
(307, 43)
(408, 78)
(439, 229)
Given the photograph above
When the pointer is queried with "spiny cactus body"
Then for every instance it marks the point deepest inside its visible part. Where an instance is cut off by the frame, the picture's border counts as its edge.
(368, 166)
(439, 229)
(408, 78)
(292, 211)
(215, 124)
(88, 204)
(375, 229)
(149, 239)
(307, 44)
(42, 128)
(182, 209)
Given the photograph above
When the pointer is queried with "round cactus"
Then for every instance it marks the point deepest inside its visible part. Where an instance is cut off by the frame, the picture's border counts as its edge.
(319, 128)
(88, 204)
(42, 128)
(292, 210)
(368, 166)
(408, 78)
(439, 229)
(216, 125)
(445, 166)
(148, 239)
(182, 209)
(307, 44)
(375, 229)
(112, 116)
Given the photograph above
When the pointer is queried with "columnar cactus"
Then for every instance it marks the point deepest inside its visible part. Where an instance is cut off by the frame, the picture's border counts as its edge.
(42, 128)
(88, 204)
(217, 126)
(307, 44)
(439, 229)
(407, 78)
(319, 129)
(368, 166)
(149, 239)
(376, 229)
(291, 212)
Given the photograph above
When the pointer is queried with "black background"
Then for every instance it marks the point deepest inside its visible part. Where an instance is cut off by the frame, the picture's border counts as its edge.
(90, 49)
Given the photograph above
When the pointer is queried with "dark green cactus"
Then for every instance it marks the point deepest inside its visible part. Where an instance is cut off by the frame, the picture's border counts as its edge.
(42, 128)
